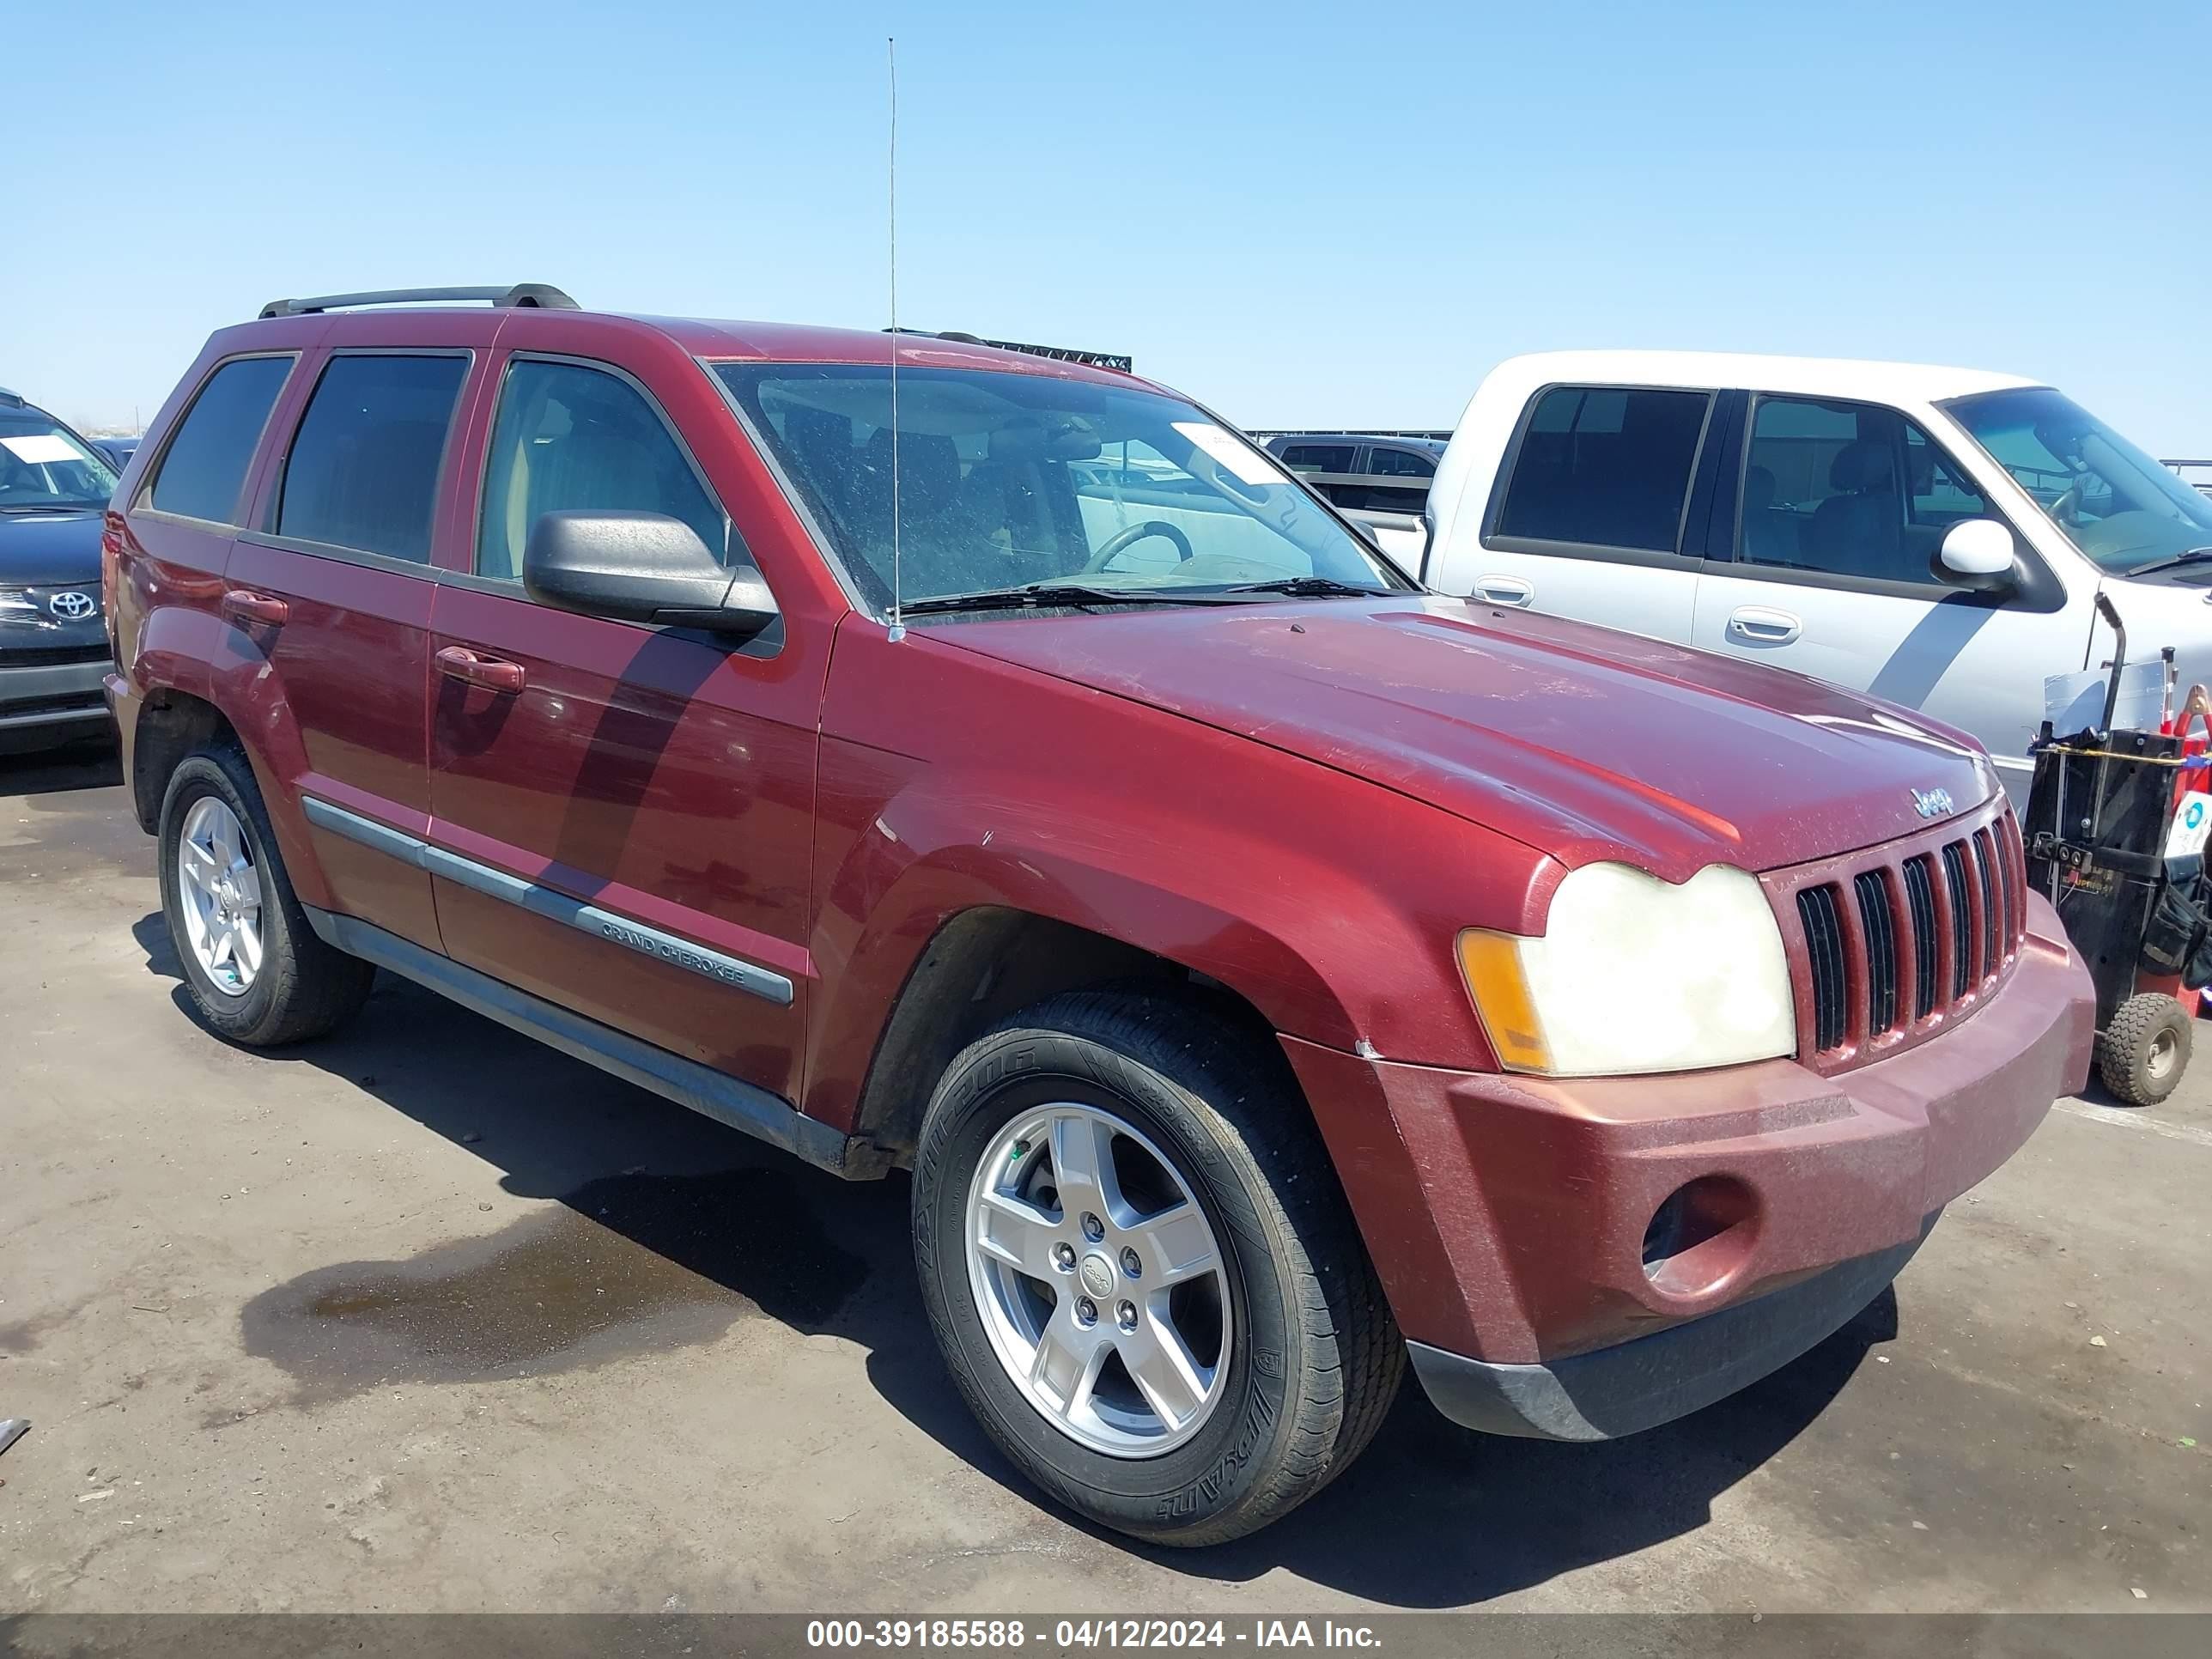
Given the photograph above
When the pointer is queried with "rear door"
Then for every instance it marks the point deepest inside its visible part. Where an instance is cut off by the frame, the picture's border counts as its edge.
(1592, 516)
(623, 813)
(1825, 563)
(336, 585)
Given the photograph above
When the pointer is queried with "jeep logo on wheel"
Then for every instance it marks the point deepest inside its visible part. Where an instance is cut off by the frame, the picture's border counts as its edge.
(1098, 1274)
(73, 606)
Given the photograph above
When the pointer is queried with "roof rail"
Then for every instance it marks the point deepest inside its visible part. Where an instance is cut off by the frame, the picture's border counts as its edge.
(542, 294)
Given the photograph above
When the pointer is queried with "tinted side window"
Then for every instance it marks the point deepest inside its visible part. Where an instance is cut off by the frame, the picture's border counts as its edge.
(569, 438)
(364, 471)
(1318, 458)
(1399, 464)
(1605, 466)
(1853, 489)
(205, 466)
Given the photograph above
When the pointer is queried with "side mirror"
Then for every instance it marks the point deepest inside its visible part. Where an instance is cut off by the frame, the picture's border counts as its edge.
(1978, 554)
(641, 568)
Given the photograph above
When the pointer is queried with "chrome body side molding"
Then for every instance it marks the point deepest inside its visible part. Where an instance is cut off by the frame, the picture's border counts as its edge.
(556, 906)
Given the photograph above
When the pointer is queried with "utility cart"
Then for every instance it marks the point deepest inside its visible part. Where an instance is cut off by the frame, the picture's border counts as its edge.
(2116, 824)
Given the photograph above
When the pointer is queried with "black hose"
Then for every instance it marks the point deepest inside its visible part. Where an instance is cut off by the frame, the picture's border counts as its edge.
(2111, 613)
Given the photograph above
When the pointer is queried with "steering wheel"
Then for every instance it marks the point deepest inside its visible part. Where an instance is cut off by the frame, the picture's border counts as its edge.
(2067, 509)
(1121, 542)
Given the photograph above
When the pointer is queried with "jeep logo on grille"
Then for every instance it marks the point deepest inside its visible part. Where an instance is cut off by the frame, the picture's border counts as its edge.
(1931, 802)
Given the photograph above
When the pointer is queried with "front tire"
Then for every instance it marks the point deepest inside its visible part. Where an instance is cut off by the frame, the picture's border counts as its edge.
(256, 973)
(1142, 1271)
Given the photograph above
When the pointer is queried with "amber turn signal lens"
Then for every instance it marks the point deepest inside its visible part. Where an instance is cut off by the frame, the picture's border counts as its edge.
(1491, 963)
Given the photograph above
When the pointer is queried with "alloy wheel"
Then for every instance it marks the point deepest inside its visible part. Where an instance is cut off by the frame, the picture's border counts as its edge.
(221, 894)
(1099, 1280)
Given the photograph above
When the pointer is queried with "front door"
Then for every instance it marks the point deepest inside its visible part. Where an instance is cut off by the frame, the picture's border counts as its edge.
(1831, 571)
(336, 587)
(624, 815)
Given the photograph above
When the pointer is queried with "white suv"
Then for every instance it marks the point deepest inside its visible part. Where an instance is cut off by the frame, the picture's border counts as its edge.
(1937, 536)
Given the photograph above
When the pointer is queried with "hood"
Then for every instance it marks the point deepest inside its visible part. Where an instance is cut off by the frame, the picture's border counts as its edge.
(2171, 608)
(1579, 741)
(56, 548)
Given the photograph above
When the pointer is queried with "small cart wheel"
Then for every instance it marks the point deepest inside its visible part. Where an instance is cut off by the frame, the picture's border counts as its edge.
(2141, 1053)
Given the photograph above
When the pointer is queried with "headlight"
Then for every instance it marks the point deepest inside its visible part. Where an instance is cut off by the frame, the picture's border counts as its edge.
(1633, 975)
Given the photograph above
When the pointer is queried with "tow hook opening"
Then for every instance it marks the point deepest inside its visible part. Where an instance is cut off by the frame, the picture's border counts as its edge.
(1699, 1234)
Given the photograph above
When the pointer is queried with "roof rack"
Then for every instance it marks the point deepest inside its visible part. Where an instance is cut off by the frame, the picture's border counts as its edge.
(539, 294)
(1120, 362)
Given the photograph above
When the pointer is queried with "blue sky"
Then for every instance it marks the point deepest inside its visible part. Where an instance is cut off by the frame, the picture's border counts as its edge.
(1302, 215)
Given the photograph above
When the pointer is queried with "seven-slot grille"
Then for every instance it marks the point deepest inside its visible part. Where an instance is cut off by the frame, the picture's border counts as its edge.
(1890, 947)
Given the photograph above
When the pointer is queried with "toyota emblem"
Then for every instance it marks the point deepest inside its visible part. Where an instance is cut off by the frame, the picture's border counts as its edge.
(73, 606)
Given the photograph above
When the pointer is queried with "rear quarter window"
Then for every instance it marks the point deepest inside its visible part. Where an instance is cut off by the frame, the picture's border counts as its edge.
(1604, 466)
(204, 468)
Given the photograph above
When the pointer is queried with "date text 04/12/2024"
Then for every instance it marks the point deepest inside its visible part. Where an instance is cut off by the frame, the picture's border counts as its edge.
(1076, 1635)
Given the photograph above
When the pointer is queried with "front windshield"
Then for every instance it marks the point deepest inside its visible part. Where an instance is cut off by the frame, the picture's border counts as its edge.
(2121, 508)
(1005, 479)
(43, 466)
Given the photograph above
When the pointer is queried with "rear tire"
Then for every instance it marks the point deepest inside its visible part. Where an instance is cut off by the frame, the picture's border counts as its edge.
(1296, 1362)
(2143, 1053)
(286, 985)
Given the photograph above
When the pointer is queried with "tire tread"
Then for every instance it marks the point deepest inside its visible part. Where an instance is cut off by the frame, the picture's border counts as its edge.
(2123, 1048)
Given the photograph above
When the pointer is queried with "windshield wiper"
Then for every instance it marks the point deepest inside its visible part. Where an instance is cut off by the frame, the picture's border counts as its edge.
(1309, 587)
(1040, 595)
(2193, 555)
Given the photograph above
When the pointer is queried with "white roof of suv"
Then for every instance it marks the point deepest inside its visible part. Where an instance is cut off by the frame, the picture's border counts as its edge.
(1829, 377)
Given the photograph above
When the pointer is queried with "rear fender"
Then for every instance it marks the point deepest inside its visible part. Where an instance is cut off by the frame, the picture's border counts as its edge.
(201, 655)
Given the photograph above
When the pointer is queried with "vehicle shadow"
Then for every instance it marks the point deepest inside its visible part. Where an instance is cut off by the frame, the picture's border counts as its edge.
(87, 763)
(691, 1226)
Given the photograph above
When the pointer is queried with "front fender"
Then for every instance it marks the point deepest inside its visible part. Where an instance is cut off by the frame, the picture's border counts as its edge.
(1315, 943)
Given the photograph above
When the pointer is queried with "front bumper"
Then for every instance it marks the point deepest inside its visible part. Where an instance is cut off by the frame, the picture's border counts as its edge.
(51, 694)
(1649, 1380)
(1508, 1215)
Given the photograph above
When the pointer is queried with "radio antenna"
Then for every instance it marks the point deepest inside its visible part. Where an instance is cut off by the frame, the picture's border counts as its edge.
(898, 619)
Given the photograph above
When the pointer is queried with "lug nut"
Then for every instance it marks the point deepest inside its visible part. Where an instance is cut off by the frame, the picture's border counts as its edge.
(1086, 1311)
(1093, 1227)
(1063, 1257)
(1126, 1316)
(1130, 1265)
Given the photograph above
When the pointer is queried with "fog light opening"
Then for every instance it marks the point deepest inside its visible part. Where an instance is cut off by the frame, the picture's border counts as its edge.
(1699, 1234)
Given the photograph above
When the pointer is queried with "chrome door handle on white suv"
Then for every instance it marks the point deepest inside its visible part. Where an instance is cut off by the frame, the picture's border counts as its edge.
(1754, 624)
(1505, 590)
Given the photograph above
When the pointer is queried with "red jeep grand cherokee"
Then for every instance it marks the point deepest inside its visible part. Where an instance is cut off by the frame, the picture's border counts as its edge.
(1268, 969)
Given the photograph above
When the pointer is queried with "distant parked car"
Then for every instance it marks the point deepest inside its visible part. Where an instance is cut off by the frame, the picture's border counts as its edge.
(1354, 470)
(53, 643)
(118, 450)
